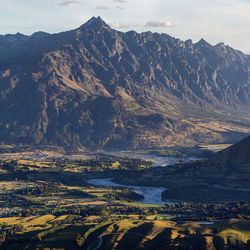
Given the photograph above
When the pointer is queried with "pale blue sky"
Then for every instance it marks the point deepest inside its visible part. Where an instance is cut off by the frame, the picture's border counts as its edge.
(213, 20)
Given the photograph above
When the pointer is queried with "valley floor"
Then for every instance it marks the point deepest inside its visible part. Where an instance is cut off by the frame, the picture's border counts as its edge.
(117, 201)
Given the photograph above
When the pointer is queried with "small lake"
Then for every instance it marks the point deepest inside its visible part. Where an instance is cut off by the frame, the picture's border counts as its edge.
(152, 195)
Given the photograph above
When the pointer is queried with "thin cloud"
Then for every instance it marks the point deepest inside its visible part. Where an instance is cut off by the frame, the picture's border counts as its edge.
(120, 8)
(101, 7)
(150, 24)
(117, 25)
(68, 2)
(120, 1)
(155, 24)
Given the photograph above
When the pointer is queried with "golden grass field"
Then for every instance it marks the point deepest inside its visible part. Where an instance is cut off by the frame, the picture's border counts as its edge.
(33, 222)
(119, 229)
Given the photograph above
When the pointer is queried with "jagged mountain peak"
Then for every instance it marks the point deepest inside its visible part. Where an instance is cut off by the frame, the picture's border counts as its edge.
(95, 22)
(222, 47)
(221, 44)
(17, 36)
(39, 35)
(203, 42)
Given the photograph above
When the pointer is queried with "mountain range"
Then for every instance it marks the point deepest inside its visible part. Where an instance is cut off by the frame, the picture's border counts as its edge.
(95, 87)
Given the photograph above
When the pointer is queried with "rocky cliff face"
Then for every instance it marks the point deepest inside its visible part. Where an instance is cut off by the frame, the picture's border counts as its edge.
(96, 87)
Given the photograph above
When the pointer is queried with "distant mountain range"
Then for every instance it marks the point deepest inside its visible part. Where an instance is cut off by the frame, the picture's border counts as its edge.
(95, 87)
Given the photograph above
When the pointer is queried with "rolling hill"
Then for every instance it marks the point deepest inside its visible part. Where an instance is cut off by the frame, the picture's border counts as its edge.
(223, 177)
(236, 155)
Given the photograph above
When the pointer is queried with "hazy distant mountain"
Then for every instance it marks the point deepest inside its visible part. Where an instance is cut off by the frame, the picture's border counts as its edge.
(97, 87)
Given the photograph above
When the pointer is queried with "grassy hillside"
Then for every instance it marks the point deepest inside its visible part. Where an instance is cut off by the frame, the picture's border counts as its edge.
(238, 154)
(117, 234)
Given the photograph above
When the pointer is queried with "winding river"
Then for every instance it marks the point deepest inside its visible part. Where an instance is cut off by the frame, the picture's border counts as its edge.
(152, 195)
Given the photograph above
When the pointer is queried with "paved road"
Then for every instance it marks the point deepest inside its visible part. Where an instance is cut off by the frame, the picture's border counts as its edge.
(99, 242)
